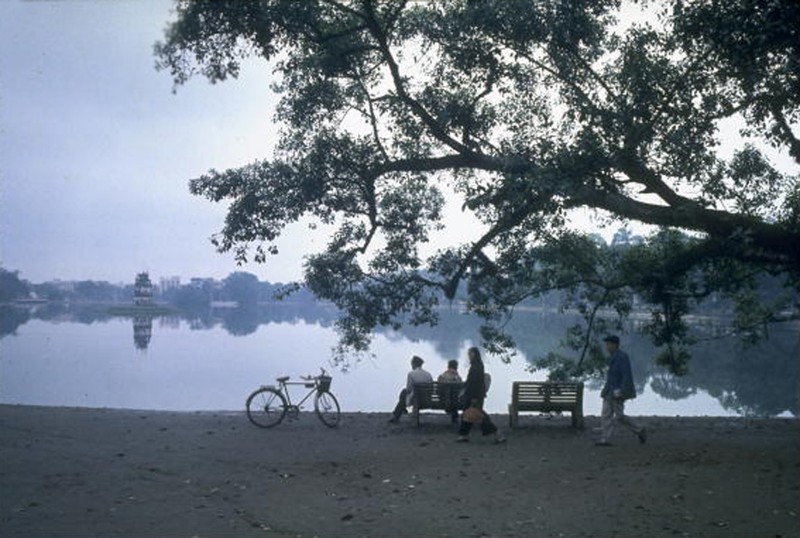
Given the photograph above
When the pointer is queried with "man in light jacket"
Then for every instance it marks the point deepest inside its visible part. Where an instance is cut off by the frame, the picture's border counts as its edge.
(618, 388)
(406, 398)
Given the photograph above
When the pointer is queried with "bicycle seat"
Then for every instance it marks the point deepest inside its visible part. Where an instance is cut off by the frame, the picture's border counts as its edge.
(282, 379)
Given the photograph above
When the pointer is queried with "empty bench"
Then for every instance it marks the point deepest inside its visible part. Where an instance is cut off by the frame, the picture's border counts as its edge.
(546, 397)
(442, 396)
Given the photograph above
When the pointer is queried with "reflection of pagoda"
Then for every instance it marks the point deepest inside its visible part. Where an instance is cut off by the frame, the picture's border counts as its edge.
(142, 331)
(142, 323)
(143, 290)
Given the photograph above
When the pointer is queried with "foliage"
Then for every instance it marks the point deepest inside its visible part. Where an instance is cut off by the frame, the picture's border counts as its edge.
(526, 110)
(11, 286)
(97, 291)
(242, 287)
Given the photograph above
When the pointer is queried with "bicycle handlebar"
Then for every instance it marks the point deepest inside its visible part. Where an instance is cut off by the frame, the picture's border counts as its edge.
(323, 373)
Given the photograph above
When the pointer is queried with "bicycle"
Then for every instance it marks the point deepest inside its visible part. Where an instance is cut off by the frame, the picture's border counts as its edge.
(268, 405)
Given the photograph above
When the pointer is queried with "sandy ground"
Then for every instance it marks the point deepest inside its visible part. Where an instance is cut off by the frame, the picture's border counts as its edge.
(82, 472)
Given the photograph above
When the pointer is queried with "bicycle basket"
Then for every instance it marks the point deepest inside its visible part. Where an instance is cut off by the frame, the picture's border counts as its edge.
(324, 383)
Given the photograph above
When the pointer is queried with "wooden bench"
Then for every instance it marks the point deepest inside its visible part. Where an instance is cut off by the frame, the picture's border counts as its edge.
(443, 396)
(546, 397)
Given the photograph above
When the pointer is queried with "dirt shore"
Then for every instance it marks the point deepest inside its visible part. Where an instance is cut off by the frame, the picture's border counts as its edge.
(85, 472)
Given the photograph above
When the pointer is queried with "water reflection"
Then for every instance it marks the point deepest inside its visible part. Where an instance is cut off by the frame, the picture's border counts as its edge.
(142, 331)
(11, 318)
(761, 380)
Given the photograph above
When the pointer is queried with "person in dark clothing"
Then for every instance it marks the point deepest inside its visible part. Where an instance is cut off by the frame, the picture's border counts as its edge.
(474, 395)
(618, 388)
(449, 382)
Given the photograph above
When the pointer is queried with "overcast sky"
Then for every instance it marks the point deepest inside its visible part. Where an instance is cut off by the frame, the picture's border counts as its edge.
(96, 152)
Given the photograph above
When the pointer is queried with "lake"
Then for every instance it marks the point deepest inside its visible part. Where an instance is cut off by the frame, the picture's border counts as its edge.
(83, 357)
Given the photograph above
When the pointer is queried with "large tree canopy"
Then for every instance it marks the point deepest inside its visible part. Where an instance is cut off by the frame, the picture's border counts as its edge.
(527, 110)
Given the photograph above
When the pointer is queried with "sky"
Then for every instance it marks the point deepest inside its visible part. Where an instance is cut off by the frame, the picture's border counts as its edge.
(96, 151)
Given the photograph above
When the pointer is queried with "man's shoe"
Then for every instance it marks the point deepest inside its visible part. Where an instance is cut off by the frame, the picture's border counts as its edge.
(394, 420)
(643, 436)
(602, 443)
(500, 439)
(462, 439)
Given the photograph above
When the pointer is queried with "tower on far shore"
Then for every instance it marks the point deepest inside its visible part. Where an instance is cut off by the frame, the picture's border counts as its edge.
(142, 290)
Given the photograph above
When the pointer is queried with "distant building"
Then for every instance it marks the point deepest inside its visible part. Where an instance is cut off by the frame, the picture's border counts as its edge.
(170, 283)
(203, 283)
(143, 290)
(67, 287)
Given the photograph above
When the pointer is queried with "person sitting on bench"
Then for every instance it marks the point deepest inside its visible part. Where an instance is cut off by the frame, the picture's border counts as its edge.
(446, 394)
(416, 375)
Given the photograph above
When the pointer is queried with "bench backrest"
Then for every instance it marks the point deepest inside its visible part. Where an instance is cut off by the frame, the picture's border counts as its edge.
(542, 394)
(437, 395)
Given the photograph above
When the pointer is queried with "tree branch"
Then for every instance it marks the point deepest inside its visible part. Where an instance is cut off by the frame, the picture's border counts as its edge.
(785, 134)
(629, 164)
(575, 54)
(436, 129)
(591, 103)
(342, 7)
(748, 231)
(373, 120)
(590, 327)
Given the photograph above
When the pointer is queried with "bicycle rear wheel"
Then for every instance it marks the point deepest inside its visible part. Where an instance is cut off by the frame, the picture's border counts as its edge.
(327, 409)
(266, 407)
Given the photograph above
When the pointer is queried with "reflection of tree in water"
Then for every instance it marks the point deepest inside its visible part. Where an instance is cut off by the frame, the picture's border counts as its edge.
(11, 318)
(142, 331)
(246, 319)
(447, 338)
(536, 333)
(668, 386)
(241, 321)
(759, 380)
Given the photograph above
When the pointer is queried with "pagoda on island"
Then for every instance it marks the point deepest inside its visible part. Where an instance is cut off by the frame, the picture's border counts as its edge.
(143, 290)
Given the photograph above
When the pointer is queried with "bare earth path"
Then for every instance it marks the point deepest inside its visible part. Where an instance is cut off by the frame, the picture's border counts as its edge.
(80, 472)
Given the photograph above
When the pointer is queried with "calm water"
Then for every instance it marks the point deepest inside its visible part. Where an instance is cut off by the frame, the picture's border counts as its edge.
(212, 362)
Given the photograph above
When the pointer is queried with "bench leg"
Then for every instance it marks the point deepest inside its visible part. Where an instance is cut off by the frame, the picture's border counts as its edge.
(513, 416)
(577, 419)
(416, 415)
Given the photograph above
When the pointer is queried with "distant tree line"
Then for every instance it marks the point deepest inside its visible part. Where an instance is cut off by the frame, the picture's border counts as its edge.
(242, 288)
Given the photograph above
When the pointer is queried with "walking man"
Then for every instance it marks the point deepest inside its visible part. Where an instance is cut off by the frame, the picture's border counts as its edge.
(618, 388)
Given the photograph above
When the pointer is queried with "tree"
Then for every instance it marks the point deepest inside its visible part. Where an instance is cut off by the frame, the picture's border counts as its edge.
(527, 110)
(244, 288)
(95, 291)
(12, 287)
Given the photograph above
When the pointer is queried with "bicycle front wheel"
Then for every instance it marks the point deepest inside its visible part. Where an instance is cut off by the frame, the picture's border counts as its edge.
(266, 407)
(327, 409)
